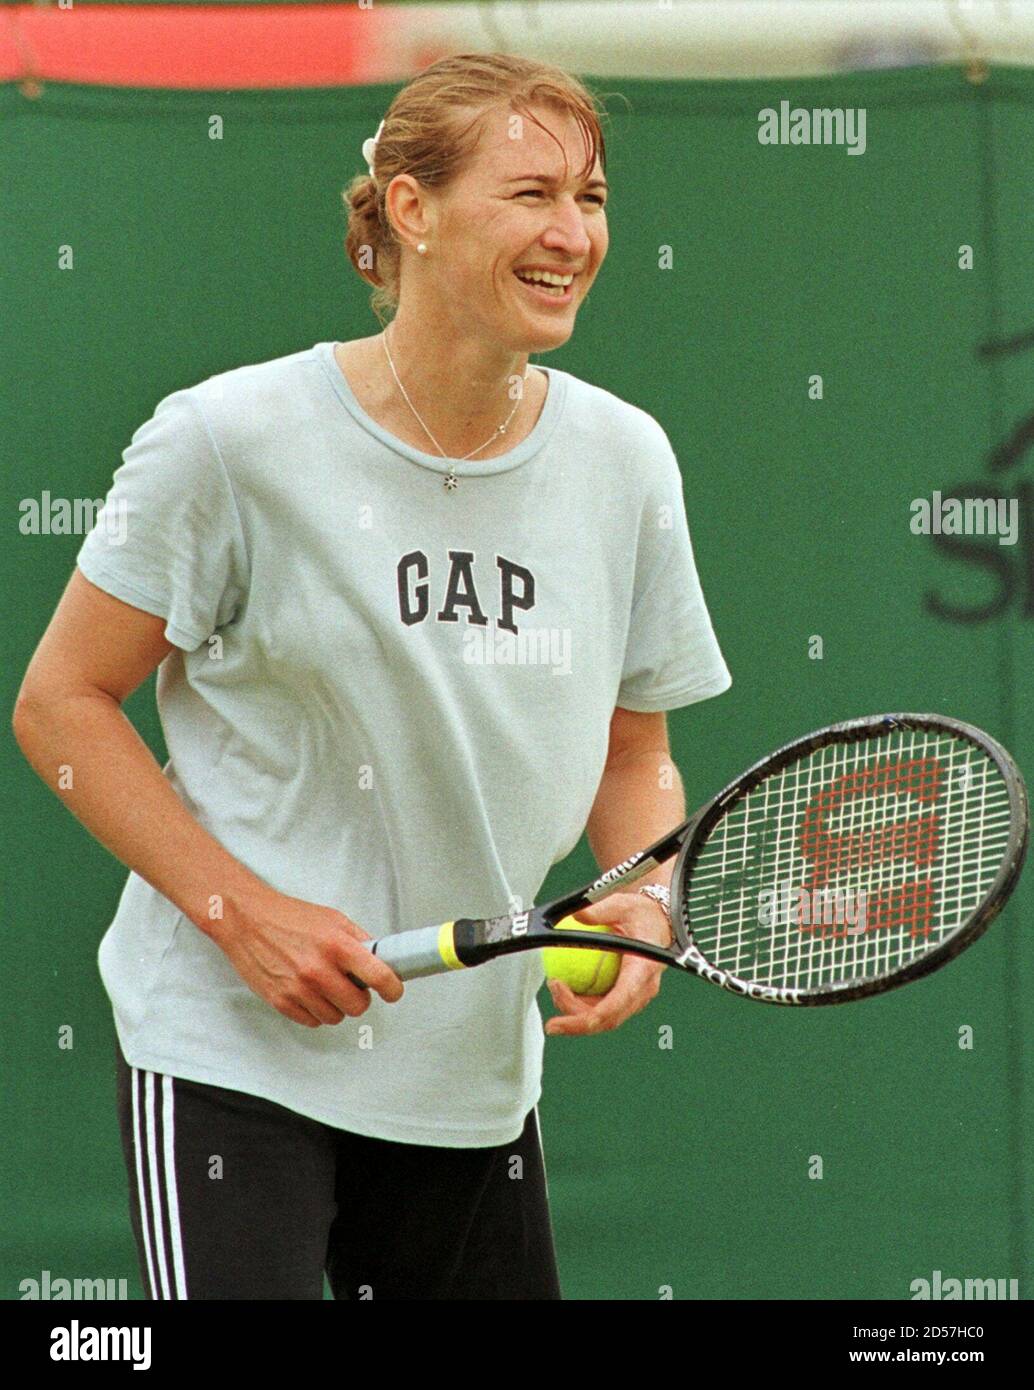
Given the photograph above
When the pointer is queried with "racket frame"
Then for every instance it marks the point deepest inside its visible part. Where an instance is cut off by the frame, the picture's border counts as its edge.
(469, 942)
(852, 731)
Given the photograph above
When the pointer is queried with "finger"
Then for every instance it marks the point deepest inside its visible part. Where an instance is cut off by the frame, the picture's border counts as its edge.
(355, 1002)
(609, 1012)
(362, 967)
(297, 1014)
(637, 973)
(354, 929)
(322, 1009)
(638, 991)
(578, 1025)
(372, 972)
(611, 911)
(601, 1013)
(625, 918)
(567, 1001)
(323, 992)
(580, 1013)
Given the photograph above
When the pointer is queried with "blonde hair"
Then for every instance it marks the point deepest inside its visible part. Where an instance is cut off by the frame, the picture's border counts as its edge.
(422, 136)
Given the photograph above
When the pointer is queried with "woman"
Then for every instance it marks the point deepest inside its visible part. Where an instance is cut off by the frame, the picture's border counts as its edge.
(417, 611)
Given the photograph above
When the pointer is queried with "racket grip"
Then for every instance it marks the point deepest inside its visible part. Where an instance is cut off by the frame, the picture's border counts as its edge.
(412, 954)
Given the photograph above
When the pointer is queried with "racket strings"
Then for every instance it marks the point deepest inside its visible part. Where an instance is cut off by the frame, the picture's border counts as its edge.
(851, 861)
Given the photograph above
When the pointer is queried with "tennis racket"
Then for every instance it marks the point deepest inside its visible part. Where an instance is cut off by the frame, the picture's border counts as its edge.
(846, 863)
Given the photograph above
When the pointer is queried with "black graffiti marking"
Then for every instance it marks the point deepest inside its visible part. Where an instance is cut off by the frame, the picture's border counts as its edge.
(1013, 574)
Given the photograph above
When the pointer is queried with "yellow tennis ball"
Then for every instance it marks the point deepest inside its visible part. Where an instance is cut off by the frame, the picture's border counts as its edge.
(585, 971)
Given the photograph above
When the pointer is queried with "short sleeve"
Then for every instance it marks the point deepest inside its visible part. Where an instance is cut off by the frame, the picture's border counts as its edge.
(169, 539)
(672, 657)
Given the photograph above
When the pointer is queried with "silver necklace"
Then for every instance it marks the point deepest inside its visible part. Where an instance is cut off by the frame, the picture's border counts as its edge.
(451, 481)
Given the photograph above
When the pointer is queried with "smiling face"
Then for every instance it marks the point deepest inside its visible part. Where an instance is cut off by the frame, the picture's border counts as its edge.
(524, 207)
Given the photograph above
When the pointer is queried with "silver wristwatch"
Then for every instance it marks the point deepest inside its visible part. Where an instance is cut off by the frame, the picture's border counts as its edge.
(661, 895)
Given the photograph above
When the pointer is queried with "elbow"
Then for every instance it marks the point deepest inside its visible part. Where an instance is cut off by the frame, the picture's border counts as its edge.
(22, 718)
(29, 709)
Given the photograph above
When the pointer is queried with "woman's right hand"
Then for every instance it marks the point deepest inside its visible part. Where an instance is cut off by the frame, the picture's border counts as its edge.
(296, 956)
(95, 652)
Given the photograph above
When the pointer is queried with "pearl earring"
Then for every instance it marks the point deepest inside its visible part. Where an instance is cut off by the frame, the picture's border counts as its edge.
(421, 248)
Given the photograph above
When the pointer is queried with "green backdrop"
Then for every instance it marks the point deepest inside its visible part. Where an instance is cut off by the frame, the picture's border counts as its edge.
(685, 1168)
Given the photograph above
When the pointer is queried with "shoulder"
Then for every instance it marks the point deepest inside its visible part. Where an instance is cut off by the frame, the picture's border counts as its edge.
(607, 414)
(616, 433)
(251, 402)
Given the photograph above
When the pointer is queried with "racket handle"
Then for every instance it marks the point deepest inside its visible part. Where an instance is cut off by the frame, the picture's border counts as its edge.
(412, 954)
(430, 950)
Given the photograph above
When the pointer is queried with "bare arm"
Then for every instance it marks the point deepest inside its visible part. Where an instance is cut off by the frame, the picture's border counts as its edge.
(69, 723)
(640, 798)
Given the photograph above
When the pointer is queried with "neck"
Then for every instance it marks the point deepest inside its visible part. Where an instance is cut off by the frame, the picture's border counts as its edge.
(461, 387)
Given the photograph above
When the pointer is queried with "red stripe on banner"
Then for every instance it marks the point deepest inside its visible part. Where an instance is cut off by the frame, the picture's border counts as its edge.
(194, 46)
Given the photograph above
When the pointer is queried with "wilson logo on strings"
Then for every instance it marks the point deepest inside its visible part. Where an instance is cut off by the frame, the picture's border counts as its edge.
(862, 849)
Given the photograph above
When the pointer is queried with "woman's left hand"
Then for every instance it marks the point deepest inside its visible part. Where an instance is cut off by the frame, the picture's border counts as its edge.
(638, 981)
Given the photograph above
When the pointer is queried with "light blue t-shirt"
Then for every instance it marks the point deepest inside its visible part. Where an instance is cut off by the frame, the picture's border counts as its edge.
(391, 699)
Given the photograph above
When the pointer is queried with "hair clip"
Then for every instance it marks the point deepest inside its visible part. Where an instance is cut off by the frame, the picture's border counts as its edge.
(370, 147)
